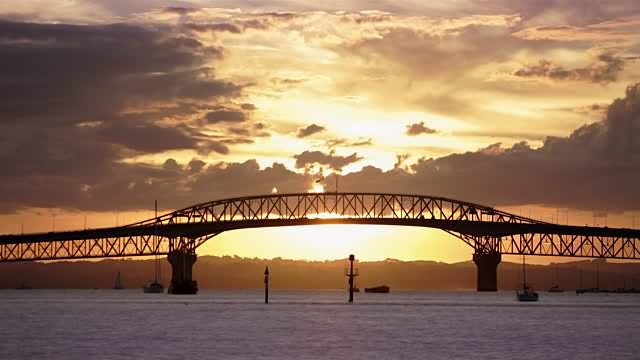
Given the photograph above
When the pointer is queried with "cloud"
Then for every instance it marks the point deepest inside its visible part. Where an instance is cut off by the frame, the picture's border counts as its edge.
(100, 97)
(612, 29)
(310, 130)
(401, 160)
(225, 115)
(418, 129)
(336, 162)
(343, 142)
(78, 100)
(147, 138)
(604, 71)
(130, 186)
(596, 167)
(219, 27)
(180, 10)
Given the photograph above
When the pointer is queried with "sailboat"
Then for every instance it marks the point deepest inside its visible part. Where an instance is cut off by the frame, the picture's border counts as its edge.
(527, 293)
(556, 288)
(154, 287)
(118, 285)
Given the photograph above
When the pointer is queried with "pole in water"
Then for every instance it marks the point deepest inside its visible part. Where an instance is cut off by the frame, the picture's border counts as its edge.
(351, 274)
(266, 285)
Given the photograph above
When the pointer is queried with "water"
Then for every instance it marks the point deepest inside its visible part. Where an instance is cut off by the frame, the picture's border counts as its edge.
(127, 324)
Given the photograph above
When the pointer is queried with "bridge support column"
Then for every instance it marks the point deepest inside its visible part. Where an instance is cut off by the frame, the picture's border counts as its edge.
(181, 265)
(487, 271)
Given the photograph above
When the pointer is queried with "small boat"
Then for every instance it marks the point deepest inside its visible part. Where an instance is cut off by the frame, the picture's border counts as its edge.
(555, 289)
(527, 293)
(382, 289)
(627, 291)
(153, 287)
(118, 285)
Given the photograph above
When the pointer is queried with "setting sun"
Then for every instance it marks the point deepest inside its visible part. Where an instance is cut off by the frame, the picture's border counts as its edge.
(317, 188)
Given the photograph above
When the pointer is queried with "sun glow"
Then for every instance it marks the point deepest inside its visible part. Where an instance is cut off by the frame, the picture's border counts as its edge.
(337, 241)
(326, 215)
(317, 188)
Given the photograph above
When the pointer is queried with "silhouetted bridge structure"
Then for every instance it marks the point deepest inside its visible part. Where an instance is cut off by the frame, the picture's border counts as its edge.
(178, 234)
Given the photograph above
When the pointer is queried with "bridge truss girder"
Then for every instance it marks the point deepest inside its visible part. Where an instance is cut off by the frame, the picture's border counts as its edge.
(485, 229)
(131, 246)
(541, 244)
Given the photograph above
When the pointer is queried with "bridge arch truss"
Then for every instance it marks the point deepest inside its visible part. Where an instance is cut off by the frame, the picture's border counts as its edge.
(485, 229)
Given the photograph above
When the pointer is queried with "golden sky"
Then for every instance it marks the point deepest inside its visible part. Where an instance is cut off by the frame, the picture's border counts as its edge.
(532, 107)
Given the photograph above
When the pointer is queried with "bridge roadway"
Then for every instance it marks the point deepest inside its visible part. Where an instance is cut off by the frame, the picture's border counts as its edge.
(490, 232)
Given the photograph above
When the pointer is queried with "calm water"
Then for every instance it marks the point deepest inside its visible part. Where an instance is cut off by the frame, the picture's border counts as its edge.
(110, 324)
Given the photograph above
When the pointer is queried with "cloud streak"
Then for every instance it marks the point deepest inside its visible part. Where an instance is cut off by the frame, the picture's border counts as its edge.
(310, 130)
(419, 129)
(308, 159)
(604, 71)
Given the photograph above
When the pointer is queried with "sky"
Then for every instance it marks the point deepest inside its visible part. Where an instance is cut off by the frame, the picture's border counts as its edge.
(528, 106)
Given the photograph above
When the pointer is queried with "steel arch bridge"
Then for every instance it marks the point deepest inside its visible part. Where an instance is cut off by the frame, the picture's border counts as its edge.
(488, 231)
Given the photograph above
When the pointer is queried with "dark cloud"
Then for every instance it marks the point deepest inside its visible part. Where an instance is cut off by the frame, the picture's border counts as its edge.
(77, 100)
(310, 130)
(233, 26)
(66, 74)
(131, 186)
(247, 106)
(238, 141)
(603, 71)
(418, 129)
(401, 160)
(363, 142)
(336, 162)
(179, 10)
(217, 27)
(195, 166)
(225, 115)
(147, 138)
(239, 131)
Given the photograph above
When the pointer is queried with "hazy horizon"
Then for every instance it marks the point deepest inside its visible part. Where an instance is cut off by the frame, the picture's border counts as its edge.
(228, 272)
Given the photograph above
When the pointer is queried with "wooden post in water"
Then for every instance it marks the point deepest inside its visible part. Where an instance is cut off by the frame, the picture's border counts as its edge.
(351, 274)
(266, 285)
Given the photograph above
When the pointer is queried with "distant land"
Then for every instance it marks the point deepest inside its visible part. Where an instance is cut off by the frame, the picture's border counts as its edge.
(230, 272)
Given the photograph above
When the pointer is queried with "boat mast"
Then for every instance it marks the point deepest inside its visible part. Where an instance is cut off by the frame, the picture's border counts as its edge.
(155, 240)
(524, 274)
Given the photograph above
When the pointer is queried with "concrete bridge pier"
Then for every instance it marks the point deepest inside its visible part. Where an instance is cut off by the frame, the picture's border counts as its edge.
(182, 265)
(487, 270)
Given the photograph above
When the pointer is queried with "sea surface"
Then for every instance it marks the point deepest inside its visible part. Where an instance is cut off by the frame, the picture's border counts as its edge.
(233, 324)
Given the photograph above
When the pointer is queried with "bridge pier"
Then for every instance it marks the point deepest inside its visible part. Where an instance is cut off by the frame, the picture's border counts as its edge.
(487, 271)
(182, 265)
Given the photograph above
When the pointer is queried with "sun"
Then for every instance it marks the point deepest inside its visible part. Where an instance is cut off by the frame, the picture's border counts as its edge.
(317, 188)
